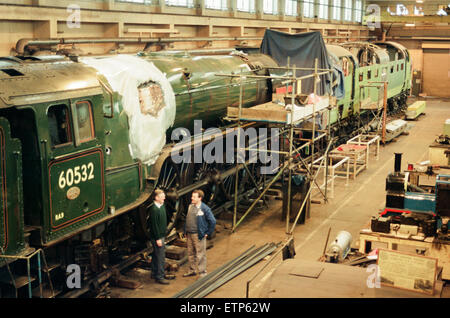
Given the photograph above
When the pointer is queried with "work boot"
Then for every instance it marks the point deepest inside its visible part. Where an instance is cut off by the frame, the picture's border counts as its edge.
(166, 276)
(188, 274)
(162, 281)
(169, 276)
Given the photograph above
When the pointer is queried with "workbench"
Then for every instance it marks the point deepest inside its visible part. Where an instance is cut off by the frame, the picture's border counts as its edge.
(338, 167)
(357, 155)
(370, 141)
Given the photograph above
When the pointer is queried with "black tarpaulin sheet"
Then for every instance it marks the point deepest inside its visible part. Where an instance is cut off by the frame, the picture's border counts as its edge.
(302, 50)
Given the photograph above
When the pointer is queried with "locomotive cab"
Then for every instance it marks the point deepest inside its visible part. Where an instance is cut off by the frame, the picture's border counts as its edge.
(53, 115)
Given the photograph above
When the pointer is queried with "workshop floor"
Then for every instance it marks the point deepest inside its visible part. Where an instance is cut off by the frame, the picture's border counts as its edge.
(349, 210)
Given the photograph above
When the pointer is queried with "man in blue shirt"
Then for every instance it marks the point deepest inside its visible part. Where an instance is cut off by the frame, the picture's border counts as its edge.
(200, 223)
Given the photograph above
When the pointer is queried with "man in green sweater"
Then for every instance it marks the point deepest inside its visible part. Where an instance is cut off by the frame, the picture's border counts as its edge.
(158, 225)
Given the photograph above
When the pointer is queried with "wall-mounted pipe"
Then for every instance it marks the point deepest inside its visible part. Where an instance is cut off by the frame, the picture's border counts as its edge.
(23, 43)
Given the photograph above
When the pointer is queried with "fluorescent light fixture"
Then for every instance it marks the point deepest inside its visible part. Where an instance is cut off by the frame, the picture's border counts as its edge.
(410, 24)
(419, 1)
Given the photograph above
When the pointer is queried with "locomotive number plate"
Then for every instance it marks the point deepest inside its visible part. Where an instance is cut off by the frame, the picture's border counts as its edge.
(76, 187)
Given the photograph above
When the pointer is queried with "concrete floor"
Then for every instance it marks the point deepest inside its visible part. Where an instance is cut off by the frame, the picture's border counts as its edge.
(349, 210)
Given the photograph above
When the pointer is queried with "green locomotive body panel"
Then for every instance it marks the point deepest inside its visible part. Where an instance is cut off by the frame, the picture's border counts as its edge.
(124, 176)
(347, 62)
(11, 205)
(200, 94)
(396, 72)
(73, 165)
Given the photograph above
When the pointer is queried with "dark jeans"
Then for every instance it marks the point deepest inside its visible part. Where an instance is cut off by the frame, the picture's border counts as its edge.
(158, 258)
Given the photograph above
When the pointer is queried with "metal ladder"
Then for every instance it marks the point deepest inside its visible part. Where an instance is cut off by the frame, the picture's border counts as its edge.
(28, 258)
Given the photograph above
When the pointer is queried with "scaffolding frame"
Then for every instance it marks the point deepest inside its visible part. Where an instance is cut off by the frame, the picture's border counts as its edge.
(288, 129)
(382, 111)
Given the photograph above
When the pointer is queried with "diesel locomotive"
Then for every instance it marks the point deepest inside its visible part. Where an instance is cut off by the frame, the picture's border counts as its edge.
(85, 141)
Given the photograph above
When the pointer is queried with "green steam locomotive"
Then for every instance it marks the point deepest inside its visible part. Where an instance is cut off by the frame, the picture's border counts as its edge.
(84, 142)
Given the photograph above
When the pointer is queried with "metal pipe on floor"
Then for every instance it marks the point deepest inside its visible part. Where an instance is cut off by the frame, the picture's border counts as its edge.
(239, 270)
(223, 274)
(231, 269)
(213, 274)
(267, 264)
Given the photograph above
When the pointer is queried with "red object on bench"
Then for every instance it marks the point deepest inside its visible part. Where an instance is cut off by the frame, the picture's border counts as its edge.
(386, 210)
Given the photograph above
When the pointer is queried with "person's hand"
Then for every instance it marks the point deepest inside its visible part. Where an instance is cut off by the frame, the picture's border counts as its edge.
(159, 243)
(206, 235)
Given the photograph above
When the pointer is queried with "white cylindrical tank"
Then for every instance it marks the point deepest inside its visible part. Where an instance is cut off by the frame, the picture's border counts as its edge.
(340, 247)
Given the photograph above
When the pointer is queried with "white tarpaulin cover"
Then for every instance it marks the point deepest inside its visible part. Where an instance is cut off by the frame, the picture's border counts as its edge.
(307, 110)
(131, 76)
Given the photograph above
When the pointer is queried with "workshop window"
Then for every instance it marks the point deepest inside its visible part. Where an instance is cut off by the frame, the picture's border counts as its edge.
(392, 69)
(401, 9)
(308, 8)
(216, 4)
(369, 74)
(84, 121)
(348, 10)
(59, 125)
(361, 77)
(336, 9)
(246, 5)
(180, 3)
(397, 67)
(323, 9)
(270, 6)
(401, 66)
(358, 10)
(290, 7)
(139, 1)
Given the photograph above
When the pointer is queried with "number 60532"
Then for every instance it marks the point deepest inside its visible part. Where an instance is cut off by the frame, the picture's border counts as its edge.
(76, 175)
